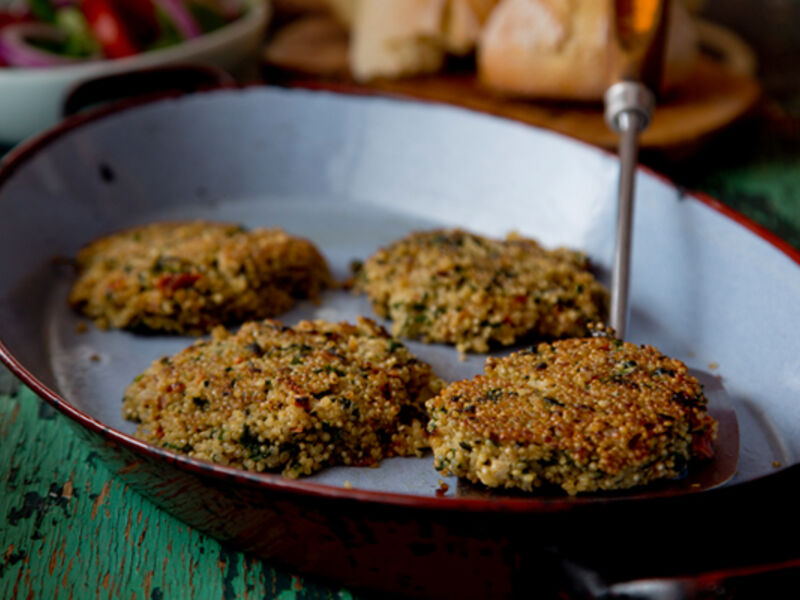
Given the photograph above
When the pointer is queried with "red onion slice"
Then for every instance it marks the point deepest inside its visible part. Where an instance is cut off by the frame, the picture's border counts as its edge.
(181, 17)
(16, 51)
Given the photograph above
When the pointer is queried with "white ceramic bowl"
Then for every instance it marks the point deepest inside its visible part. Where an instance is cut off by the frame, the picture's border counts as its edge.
(31, 99)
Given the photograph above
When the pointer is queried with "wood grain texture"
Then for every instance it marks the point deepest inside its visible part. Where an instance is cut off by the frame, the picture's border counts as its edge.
(309, 52)
(68, 529)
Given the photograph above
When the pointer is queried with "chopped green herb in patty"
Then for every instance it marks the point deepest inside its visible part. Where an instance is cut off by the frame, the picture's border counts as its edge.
(189, 277)
(459, 288)
(586, 414)
(316, 394)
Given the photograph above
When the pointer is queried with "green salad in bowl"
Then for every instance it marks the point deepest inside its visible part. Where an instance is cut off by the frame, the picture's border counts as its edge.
(47, 47)
(43, 33)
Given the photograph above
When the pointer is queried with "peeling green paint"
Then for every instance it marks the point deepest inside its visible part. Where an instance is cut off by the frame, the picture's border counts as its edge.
(68, 528)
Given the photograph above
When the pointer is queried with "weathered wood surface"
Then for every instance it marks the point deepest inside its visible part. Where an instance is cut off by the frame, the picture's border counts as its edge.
(70, 530)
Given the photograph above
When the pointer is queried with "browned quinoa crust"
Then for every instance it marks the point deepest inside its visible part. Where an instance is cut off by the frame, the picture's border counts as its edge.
(187, 277)
(585, 414)
(293, 399)
(460, 288)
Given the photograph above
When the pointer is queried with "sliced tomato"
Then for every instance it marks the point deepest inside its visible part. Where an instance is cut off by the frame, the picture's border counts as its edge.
(109, 28)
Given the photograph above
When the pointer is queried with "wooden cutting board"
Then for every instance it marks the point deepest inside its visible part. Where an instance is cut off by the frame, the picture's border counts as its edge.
(312, 52)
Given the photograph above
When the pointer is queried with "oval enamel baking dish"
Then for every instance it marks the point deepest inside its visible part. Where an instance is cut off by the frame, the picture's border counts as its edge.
(353, 173)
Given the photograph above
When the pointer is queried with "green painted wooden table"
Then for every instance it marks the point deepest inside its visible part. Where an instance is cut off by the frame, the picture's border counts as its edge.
(69, 529)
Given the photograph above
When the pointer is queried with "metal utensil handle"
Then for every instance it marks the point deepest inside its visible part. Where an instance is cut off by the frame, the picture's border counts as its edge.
(629, 108)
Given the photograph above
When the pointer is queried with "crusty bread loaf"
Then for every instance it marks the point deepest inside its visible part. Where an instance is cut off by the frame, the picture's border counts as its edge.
(394, 38)
(558, 48)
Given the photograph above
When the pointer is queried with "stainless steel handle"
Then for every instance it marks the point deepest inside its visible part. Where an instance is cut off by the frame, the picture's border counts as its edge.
(629, 109)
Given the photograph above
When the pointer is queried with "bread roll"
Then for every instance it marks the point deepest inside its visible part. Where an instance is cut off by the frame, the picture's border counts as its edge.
(558, 48)
(394, 38)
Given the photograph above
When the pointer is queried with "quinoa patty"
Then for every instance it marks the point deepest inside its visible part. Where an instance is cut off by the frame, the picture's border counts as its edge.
(189, 277)
(293, 399)
(456, 287)
(586, 414)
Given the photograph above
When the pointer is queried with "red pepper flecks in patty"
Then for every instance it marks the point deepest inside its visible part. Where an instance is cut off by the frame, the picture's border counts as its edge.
(190, 277)
(305, 397)
(176, 281)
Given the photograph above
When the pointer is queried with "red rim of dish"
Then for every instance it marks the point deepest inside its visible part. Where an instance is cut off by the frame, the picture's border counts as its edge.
(19, 155)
